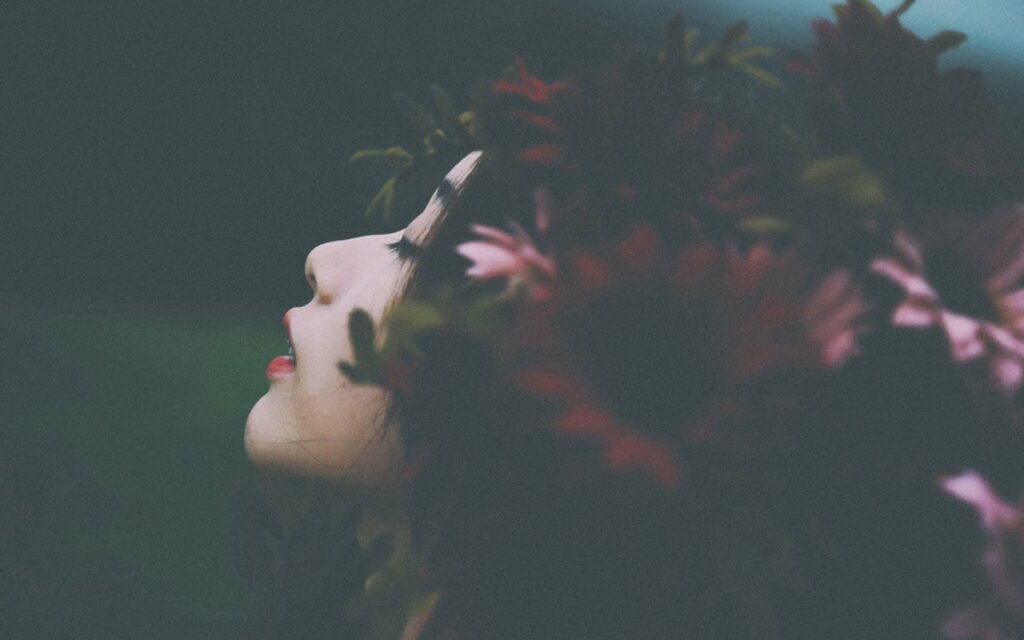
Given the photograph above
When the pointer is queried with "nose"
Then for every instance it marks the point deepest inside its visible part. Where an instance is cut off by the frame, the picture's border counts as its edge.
(333, 267)
(325, 270)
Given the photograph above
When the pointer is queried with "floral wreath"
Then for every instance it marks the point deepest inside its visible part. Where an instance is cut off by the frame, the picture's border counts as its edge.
(744, 254)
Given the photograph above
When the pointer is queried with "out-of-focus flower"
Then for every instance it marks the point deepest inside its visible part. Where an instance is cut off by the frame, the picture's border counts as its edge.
(1001, 615)
(648, 351)
(528, 87)
(882, 95)
(971, 488)
(621, 148)
(512, 256)
(971, 290)
(832, 318)
(519, 118)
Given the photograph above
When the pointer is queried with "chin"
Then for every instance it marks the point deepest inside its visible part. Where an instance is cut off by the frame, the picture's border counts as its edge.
(273, 443)
(267, 442)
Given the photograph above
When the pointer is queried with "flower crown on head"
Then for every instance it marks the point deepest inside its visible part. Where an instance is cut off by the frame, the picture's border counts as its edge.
(699, 270)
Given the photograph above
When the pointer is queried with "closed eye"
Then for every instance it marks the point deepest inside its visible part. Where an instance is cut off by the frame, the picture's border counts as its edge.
(404, 249)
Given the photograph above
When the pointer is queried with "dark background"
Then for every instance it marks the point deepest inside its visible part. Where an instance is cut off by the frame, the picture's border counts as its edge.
(164, 169)
(189, 153)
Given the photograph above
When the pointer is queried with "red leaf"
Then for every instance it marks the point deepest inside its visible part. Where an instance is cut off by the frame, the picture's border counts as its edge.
(547, 154)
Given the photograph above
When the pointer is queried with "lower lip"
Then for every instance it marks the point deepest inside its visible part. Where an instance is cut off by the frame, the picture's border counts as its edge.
(280, 366)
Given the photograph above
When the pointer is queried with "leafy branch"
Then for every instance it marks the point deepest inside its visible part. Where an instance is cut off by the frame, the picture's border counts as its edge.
(680, 49)
(439, 132)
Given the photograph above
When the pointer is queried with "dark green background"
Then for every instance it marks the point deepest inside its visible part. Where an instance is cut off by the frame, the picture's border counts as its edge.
(164, 168)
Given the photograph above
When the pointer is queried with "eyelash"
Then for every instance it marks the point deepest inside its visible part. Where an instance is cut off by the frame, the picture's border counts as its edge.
(404, 249)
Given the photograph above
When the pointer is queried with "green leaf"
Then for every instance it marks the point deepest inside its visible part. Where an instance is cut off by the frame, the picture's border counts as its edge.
(690, 39)
(764, 225)
(416, 115)
(449, 118)
(383, 201)
(760, 75)
(410, 319)
(822, 172)
(751, 53)
(396, 156)
(945, 41)
(846, 176)
(717, 51)
(485, 314)
(468, 120)
(362, 335)
(866, 190)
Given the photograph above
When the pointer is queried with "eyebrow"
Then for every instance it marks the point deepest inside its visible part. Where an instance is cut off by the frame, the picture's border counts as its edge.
(405, 248)
(446, 192)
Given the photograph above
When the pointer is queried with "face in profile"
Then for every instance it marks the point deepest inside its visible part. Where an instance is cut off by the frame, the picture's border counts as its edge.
(313, 420)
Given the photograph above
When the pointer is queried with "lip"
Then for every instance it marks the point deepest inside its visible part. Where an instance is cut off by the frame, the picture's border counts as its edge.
(287, 322)
(283, 366)
(280, 367)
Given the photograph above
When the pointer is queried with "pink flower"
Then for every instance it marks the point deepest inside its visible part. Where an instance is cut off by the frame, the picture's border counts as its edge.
(832, 317)
(970, 487)
(512, 256)
(1001, 615)
(987, 263)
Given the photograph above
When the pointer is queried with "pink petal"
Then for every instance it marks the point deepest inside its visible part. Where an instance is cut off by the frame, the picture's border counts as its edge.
(1011, 306)
(971, 487)
(544, 204)
(840, 349)
(1010, 274)
(489, 261)
(909, 251)
(832, 318)
(911, 314)
(496, 236)
(963, 333)
(967, 625)
(1007, 342)
(912, 282)
(1006, 259)
(1008, 373)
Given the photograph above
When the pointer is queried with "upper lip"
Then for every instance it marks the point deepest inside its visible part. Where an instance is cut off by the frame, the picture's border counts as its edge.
(286, 321)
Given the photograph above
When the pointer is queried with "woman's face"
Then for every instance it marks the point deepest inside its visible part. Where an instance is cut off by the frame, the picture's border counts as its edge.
(312, 420)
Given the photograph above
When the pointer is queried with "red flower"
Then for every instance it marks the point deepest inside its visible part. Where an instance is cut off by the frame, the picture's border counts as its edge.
(529, 87)
(520, 118)
(647, 351)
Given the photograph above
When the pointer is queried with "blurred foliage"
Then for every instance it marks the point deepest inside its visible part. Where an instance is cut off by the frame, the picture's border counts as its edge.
(441, 133)
(680, 48)
(125, 487)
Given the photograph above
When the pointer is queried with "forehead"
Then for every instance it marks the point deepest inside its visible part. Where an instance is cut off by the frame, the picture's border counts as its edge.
(420, 227)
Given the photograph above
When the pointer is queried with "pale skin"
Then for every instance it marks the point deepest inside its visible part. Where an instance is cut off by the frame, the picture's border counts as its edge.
(312, 420)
